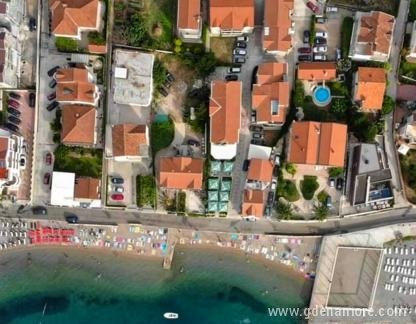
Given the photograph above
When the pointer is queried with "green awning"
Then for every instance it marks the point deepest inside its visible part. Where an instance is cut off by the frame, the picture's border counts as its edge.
(225, 185)
(213, 184)
(227, 166)
(212, 195)
(223, 207)
(212, 206)
(224, 196)
(215, 166)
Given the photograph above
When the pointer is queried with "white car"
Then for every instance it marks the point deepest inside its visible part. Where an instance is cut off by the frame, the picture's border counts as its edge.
(321, 34)
(331, 9)
(320, 49)
(239, 51)
(274, 184)
(118, 189)
(242, 39)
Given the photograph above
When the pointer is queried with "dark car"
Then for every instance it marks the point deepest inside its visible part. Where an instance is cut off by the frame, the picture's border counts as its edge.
(52, 106)
(304, 50)
(13, 103)
(340, 183)
(52, 96)
(270, 198)
(32, 24)
(320, 41)
(52, 84)
(72, 219)
(53, 70)
(13, 111)
(48, 158)
(231, 77)
(117, 180)
(12, 127)
(14, 95)
(239, 59)
(241, 44)
(170, 77)
(167, 84)
(303, 58)
(193, 142)
(256, 128)
(32, 99)
(312, 6)
(306, 36)
(39, 210)
(47, 178)
(163, 91)
(14, 120)
(246, 164)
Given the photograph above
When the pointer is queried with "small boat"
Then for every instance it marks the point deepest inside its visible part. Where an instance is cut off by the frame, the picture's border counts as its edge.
(171, 315)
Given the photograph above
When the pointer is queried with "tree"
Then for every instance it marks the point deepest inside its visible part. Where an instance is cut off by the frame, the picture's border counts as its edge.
(344, 65)
(284, 211)
(299, 94)
(321, 211)
(335, 172)
(159, 73)
(388, 105)
(136, 31)
(206, 64)
(96, 38)
(339, 107)
(291, 168)
(312, 31)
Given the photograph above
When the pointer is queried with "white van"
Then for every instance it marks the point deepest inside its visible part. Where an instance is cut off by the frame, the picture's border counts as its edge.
(234, 69)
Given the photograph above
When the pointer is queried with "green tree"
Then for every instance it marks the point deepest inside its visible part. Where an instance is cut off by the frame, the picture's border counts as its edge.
(312, 30)
(136, 31)
(284, 211)
(96, 38)
(206, 64)
(388, 105)
(339, 108)
(346, 32)
(321, 212)
(291, 168)
(335, 172)
(159, 73)
(299, 94)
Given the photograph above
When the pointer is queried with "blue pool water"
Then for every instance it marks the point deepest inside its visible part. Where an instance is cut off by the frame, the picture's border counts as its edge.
(322, 94)
(161, 118)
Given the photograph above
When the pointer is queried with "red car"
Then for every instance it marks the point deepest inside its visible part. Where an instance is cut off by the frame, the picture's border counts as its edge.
(48, 158)
(117, 197)
(46, 178)
(312, 6)
(13, 103)
(304, 50)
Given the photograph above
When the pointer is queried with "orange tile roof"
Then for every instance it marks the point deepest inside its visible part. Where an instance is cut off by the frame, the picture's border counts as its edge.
(376, 31)
(318, 143)
(180, 173)
(253, 203)
(73, 85)
(189, 12)
(260, 170)
(231, 14)
(78, 124)
(265, 96)
(87, 188)
(317, 71)
(370, 87)
(4, 173)
(225, 111)
(277, 22)
(271, 72)
(97, 49)
(4, 146)
(68, 16)
(129, 140)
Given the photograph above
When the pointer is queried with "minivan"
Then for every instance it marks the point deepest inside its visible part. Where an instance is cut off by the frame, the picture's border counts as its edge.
(234, 69)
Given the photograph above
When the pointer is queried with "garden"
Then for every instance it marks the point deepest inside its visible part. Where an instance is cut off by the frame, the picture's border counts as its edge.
(162, 133)
(145, 191)
(308, 186)
(408, 167)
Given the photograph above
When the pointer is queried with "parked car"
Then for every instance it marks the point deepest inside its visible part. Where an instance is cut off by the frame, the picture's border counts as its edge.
(320, 41)
(306, 36)
(256, 128)
(52, 71)
(277, 160)
(274, 184)
(13, 111)
(39, 210)
(52, 105)
(52, 83)
(170, 77)
(239, 59)
(340, 183)
(320, 49)
(239, 51)
(257, 142)
(46, 178)
(321, 20)
(246, 164)
(52, 96)
(319, 57)
(242, 39)
(118, 189)
(48, 158)
(32, 99)
(22, 161)
(117, 180)
(312, 6)
(321, 34)
(331, 9)
(73, 219)
(304, 50)
(270, 198)
(303, 58)
(117, 197)
(234, 69)
(257, 135)
(241, 44)
(231, 77)
(14, 95)
(331, 182)
(32, 24)
(13, 103)
(193, 142)
(328, 201)
(338, 54)
(163, 91)
(253, 116)
(14, 120)
(12, 127)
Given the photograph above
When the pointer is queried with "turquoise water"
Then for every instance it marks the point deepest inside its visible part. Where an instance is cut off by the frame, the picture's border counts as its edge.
(322, 94)
(161, 118)
(204, 286)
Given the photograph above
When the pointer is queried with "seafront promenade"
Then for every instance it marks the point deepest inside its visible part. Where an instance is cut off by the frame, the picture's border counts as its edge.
(299, 253)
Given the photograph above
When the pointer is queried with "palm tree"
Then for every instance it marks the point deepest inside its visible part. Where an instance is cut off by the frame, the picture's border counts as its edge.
(284, 211)
(321, 211)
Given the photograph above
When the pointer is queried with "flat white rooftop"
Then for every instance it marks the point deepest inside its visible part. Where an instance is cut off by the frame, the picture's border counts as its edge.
(62, 190)
(223, 151)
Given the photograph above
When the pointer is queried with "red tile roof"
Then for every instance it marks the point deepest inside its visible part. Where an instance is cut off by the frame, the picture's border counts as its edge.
(189, 14)
(225, 111)
(78, 124)
(129, 140)
(68, 16)
(277, 22)
(271, 72)
(370, 87)
(317, 71)
(87, 188)
(266, 96)
(180, 173)
(260, 170)
(231, 14)
(73, 85)
(97, 49)
(318, 143)
(4, 147)
(253, 203)
(4, 173)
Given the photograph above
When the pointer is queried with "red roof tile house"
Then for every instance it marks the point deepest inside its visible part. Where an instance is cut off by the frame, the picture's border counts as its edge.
(180, 173)
(319, 144)
(78, 125)
(278, 26)
(225, 118)
(87, 189)
(189, 20)
(260, 172)
(71, 17)
(130, 142)
(369, 87)
(231, 17)
(253, 203)
(270, 96)
(317, 71)
(372, 36)
(11, 149)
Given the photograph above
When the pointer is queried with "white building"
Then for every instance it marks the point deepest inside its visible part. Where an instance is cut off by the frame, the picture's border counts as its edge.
(12, 151)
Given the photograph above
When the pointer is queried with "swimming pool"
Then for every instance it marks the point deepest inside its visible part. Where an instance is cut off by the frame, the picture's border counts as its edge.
(321, 95)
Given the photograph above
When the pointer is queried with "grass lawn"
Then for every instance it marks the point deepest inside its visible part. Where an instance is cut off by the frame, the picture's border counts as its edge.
(81, 161)
(65, 44)
(408, 166)
(161, 135)
(308, 186)
(287, 189)
(222, 47)
(145, 191)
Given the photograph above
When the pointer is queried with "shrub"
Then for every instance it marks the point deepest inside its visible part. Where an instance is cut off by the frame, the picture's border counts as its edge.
(299, 94)
(96, 38)
(161, 135)
(65, 44)
(321, 212)
(145, 191)
(291, 168)
(335, 172)
(388, 105)
(339, 107)
(308, 186)
(287, 189)
(312, 31)
(346, 31)
(284, 211)
(181, 201)
(159, 73)
(322, 196)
